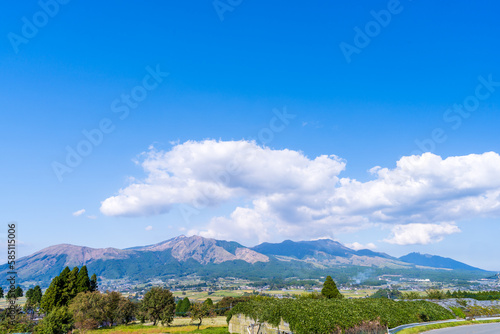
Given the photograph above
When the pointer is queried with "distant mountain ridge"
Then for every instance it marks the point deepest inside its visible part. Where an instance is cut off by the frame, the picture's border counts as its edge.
(435, 261)
(304, 249)
(181, 256)
(328, 252)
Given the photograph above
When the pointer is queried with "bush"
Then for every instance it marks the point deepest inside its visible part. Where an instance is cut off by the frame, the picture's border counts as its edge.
(458, 312)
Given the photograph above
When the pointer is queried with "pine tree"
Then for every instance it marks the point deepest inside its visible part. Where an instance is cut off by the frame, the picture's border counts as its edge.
(52, 297)
(178, 307)
(62, 289)
(72, 288)
(330, 289)
(83, 282)
(93, 283)
(183, 307)
(64, 273)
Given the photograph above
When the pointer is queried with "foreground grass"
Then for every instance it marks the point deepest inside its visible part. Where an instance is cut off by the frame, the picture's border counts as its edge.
(216, 325)
(425, 328)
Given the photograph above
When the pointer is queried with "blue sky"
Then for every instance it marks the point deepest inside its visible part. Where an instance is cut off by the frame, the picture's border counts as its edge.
(227, 80)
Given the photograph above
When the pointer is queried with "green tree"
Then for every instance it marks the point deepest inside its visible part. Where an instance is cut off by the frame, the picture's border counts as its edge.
(52, 297)
(140, 312)
(227, 303)
(64, 287)
(19, 292)
(58, 321)
(199, 311)
(83, 281)
(89, 310)
(33, 299)
(36, 295)
(93, 283)
(435, 294)
(71, 288)
(16, 322)
(112, 300)
(11, 294)
(64, 274)
(159, 304)
(15, 293)
(178, 307)
(183, 307)
(330, 290)
(126, 310)
(1, 292)
(209, 302)
(410, 295)
(387, 293)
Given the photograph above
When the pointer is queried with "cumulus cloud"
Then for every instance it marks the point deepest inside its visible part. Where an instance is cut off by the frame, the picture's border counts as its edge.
(289, 194)
(248, 224)
(357, 246)
(79, 213)
(149, 228)
(211, 172)
(422, 234)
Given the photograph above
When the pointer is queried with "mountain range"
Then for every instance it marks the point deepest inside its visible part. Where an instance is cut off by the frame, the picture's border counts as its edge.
(183, 256)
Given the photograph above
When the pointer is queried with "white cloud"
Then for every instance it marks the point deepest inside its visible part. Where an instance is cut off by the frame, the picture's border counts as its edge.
(357, 246)
(422, 234)
(289, 194)
(79, 213)
(246, 223)
(211, 172)
(92, 217)
(149, 228)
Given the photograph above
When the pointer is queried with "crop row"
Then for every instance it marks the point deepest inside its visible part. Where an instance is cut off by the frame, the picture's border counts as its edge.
(321, 316)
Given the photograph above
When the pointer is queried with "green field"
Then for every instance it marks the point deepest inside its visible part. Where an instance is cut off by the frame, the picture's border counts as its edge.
(218, 295)
(216, 325)
(215, 296)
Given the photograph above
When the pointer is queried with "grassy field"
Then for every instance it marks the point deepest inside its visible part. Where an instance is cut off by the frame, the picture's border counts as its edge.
(358, 293)
(425, 328)
(216, 325)
(20, 301)
(215, 296)
(218, 295)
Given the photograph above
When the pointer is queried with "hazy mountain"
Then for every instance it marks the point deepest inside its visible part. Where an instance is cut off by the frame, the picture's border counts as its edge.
(435, 261)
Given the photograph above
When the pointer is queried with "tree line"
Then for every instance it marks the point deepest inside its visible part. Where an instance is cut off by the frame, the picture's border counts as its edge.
(73, 301)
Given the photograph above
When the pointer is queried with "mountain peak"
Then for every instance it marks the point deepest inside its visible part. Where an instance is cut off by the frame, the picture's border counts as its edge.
(206, 250)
